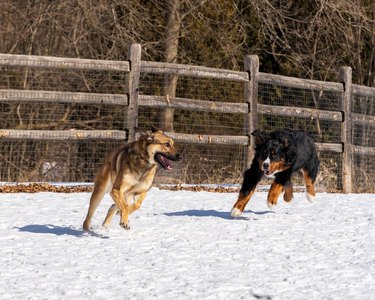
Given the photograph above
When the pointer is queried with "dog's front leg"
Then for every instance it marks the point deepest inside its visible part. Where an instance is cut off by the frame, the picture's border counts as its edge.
(123, 206)
(241, 202)
(274, 193)
(251, 178)
(288, 191)
(137, 203)
(140, 189)
(124, 221)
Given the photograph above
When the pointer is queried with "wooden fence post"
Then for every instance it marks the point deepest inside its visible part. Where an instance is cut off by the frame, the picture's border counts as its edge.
(134, 58)
(345, 76)
(251, 66)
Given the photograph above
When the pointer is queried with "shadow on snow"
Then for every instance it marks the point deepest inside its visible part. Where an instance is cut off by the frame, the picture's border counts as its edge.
(57, 230)
(213, 213)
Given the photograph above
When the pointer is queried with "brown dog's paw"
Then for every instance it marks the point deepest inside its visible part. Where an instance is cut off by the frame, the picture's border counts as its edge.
(125, 225)
(86, 226)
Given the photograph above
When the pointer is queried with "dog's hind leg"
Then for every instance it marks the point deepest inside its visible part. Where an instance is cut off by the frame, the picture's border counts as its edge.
(111, 211)
(310, 189)
(96, 197)
(102, 185)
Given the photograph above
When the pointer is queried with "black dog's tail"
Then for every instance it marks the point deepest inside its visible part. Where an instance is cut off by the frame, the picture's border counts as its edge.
(314, 167)
(313, 164)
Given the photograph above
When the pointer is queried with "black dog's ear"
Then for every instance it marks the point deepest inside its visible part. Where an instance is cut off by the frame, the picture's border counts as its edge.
(283, 137)
(259, 136)
(285, 142)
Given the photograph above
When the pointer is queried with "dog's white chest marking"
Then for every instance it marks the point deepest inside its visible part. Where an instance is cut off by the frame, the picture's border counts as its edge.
(268, 162)
(270, 175)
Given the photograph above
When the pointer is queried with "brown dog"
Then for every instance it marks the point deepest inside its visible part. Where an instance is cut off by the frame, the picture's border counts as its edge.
(128, 173)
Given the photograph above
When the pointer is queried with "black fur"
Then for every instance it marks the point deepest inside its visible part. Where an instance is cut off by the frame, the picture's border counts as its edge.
(295, 150)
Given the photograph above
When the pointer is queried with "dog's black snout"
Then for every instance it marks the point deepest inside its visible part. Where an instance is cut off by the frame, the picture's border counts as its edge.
(266, 166)
(178, 157)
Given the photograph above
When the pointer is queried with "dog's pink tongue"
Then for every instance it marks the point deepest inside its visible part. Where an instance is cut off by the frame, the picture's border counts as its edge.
(167, 164)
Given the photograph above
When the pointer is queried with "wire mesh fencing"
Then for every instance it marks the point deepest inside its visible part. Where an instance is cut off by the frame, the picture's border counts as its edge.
(208, 163)
(205, 109)
(363, 134)
(41, 160)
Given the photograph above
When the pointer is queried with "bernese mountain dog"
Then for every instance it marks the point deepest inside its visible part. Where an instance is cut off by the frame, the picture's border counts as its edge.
(278, 155)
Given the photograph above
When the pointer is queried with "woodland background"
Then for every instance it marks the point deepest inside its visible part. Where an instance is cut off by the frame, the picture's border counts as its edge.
(308, 39)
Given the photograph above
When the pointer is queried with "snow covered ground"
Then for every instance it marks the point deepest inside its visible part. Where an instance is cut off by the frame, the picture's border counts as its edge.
(184, 245)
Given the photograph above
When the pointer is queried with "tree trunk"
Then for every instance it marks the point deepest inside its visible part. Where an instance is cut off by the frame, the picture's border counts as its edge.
(171, 50)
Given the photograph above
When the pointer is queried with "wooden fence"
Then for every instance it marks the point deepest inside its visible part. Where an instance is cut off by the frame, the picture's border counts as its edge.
(250, 107)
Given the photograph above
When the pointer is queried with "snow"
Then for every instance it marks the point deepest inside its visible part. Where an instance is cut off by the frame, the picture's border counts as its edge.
(185, 245)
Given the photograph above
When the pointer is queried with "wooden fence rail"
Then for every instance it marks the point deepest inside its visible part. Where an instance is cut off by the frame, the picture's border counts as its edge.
(250, 107)
(61, 135)
(192, 71)
(300, 112)
(193, 104)
(300, 83)
(46, 62)
(63, 97)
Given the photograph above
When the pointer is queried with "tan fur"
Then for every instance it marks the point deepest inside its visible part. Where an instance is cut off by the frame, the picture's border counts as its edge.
(310, 189)
(288, 191)
(274, 193)
(274, 167)
(243, 200)
(127, 174)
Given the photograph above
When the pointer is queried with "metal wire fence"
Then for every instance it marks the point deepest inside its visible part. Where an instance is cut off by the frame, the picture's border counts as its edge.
(364, 136)
(23, 160)
(69, 98)
(210, 163)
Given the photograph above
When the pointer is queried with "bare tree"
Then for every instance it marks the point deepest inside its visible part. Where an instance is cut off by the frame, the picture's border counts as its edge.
(315, 37)
(172, 34)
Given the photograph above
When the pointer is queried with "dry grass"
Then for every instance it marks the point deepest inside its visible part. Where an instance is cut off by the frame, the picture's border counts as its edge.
(43, 187)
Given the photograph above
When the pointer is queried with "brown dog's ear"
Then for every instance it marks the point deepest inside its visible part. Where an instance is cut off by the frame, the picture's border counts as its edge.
(259, 136)
(140, 131)
(146, 135)
(150, 138)
(155, 129)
